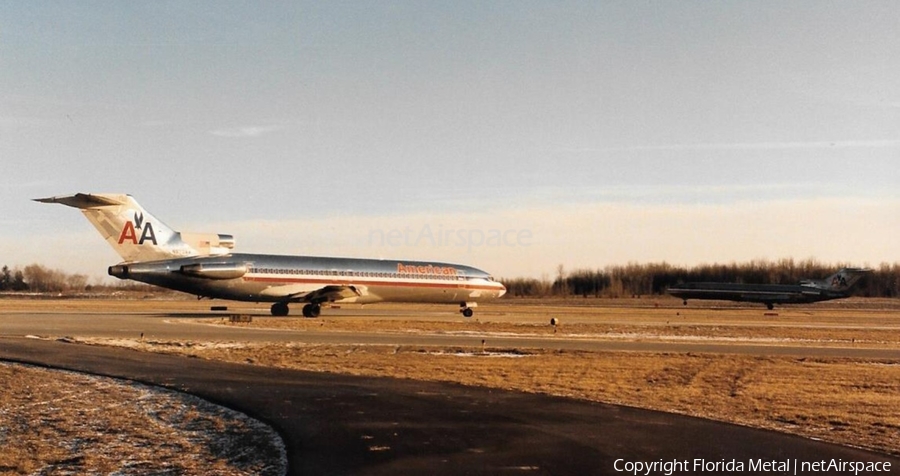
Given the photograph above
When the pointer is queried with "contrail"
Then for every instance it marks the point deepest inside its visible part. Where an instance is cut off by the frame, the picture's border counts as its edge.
(846, 144)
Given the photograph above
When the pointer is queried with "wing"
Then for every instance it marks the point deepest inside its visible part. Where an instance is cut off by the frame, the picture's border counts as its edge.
(315, 293)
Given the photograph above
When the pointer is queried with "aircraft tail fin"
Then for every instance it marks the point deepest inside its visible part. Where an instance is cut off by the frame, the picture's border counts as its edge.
(135, 234)
(843, 280)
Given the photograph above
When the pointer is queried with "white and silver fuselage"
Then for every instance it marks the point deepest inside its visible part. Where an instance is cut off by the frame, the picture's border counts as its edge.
(204, 264)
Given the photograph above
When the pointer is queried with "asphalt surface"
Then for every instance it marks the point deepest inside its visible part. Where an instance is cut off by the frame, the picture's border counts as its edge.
(337, 424)
(334, 424)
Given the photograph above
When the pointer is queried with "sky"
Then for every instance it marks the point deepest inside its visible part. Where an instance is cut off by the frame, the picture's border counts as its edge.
(511, 136)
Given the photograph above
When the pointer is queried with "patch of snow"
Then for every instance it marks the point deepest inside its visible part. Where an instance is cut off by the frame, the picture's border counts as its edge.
(509, 355)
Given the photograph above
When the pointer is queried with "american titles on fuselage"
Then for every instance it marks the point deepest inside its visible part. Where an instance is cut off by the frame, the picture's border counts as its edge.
(428, 269)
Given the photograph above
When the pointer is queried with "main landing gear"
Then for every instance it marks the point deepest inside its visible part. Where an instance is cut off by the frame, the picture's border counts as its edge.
(280, 309)
(312, 310)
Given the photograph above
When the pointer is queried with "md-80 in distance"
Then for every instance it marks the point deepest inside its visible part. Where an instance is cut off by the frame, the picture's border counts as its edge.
(204, 265)
(835, 286)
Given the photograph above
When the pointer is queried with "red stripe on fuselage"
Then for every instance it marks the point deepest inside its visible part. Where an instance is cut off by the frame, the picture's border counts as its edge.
(332, 282)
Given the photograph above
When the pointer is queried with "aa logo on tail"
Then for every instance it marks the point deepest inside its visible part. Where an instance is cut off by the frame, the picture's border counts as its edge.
(129, 231)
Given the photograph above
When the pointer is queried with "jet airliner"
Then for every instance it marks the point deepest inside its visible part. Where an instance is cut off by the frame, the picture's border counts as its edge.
(836, 286)
(203, 264)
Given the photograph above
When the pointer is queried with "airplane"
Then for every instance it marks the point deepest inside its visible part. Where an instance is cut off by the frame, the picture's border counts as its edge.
(203, 264)
(836, 286)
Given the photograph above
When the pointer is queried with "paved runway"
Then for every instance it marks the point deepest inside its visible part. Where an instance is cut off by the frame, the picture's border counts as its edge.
(335, 424)
(179, 326)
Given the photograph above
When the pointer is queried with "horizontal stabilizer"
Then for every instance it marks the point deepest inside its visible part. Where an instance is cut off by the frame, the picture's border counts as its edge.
(86, 200)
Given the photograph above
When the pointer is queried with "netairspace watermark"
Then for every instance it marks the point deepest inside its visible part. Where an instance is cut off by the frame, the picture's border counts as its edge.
(468, 238)
(786, 466)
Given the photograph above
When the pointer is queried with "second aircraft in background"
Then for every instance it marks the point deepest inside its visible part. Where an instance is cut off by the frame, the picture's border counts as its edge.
(835, 286)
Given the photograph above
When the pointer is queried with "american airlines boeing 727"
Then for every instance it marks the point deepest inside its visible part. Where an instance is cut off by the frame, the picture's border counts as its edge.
(204, 265)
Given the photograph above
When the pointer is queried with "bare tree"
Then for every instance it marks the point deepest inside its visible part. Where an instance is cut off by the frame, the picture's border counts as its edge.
(6, 279)
(41, 279)
(76, 282)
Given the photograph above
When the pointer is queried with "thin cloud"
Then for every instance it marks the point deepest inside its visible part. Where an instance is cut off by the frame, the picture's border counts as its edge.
(847, 144)
(245, 131)
(11, 123)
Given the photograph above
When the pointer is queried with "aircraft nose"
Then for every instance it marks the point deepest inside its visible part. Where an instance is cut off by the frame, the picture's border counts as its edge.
(501, 291)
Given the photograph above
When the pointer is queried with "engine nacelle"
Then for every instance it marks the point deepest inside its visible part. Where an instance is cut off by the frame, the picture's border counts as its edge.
(120, 271)
(226, 242)
(214, 270)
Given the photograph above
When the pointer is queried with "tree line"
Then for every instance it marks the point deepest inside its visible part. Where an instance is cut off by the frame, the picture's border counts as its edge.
(634, 279)
(12, 280)
(630, 280)
(36, 278)
(39, 279)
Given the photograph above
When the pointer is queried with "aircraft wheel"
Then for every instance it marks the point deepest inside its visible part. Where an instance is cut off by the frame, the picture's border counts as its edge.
(280, 309)
(770, 306)
(467, 312)
(312, 310)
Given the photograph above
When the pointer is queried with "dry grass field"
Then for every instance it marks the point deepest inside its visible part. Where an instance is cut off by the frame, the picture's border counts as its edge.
(842, 400)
